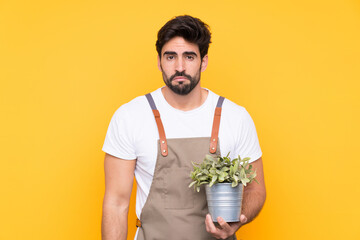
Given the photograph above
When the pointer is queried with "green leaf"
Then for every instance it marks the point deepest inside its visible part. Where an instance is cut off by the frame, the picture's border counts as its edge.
(203, 183)
(253, 175)
(231, 170)
(236, 178)
(194, 164)
(242, 173)
(224, 169)
(191, 184)
(213, 181)
(202, 178)
(209, 158)
(245, 181)
(236, 165)
(222, 176)
(205, 171)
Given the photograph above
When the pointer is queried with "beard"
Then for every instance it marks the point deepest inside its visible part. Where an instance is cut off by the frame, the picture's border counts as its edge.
(181, 88)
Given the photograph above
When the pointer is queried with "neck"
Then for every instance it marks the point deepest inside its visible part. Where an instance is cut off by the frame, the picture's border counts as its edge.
(185, 102)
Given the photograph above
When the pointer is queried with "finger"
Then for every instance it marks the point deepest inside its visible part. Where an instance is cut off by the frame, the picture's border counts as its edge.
(224, 225)
(243, 218)
(210, 226)
(213, 230)
(206, 223)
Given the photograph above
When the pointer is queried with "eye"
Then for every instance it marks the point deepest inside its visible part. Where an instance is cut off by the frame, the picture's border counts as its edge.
(190, 57)
(170, 57)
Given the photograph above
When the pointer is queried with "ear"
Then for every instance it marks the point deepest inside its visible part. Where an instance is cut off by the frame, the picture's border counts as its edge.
(204, 63)
(159, 63)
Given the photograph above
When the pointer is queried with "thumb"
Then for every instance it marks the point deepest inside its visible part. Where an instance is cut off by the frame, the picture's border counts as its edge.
(243, 219)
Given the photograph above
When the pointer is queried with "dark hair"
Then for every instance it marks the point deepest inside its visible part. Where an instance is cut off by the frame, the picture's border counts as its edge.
(191, 29)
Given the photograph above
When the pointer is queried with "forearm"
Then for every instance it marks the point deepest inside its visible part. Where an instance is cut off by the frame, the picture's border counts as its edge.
(119, 176)
(253, 201)
(114, 222)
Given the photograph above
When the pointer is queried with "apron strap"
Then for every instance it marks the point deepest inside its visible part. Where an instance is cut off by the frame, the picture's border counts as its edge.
(216, 126)
(162, 137)
(138, 223)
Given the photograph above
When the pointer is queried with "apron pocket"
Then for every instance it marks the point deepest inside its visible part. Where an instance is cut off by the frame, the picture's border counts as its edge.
(177, 193)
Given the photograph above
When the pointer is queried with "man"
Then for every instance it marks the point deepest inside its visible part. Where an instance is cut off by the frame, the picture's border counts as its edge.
(157, 136)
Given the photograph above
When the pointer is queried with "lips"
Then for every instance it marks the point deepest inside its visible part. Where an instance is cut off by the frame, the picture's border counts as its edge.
(180, 79)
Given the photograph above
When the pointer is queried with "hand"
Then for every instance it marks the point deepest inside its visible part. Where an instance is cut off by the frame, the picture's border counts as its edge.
(226, 229)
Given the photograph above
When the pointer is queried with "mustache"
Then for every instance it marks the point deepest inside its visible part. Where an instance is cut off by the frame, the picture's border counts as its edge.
(180, 74)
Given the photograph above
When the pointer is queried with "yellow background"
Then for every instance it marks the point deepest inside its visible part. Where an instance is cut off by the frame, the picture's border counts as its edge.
(66, 66)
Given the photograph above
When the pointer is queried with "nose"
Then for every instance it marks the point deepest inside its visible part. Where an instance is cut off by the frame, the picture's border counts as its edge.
(180, 65)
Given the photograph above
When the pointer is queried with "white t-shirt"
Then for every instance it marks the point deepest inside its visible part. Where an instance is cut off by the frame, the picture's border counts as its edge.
(133, 133)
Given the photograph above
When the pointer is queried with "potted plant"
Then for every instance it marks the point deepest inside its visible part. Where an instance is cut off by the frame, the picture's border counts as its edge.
(224, 181)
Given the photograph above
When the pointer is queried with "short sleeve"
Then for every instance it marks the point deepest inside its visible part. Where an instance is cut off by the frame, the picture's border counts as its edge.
(248, 142)
(118, 140)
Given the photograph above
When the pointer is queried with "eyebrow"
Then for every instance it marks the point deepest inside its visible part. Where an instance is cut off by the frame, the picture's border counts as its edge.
(190, 53)
(174, 53)
(169, 53)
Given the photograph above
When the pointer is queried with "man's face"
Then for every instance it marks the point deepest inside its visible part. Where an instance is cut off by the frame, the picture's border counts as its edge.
(181, 65)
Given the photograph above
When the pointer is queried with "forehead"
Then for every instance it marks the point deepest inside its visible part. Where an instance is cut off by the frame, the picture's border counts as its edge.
(179, 45)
